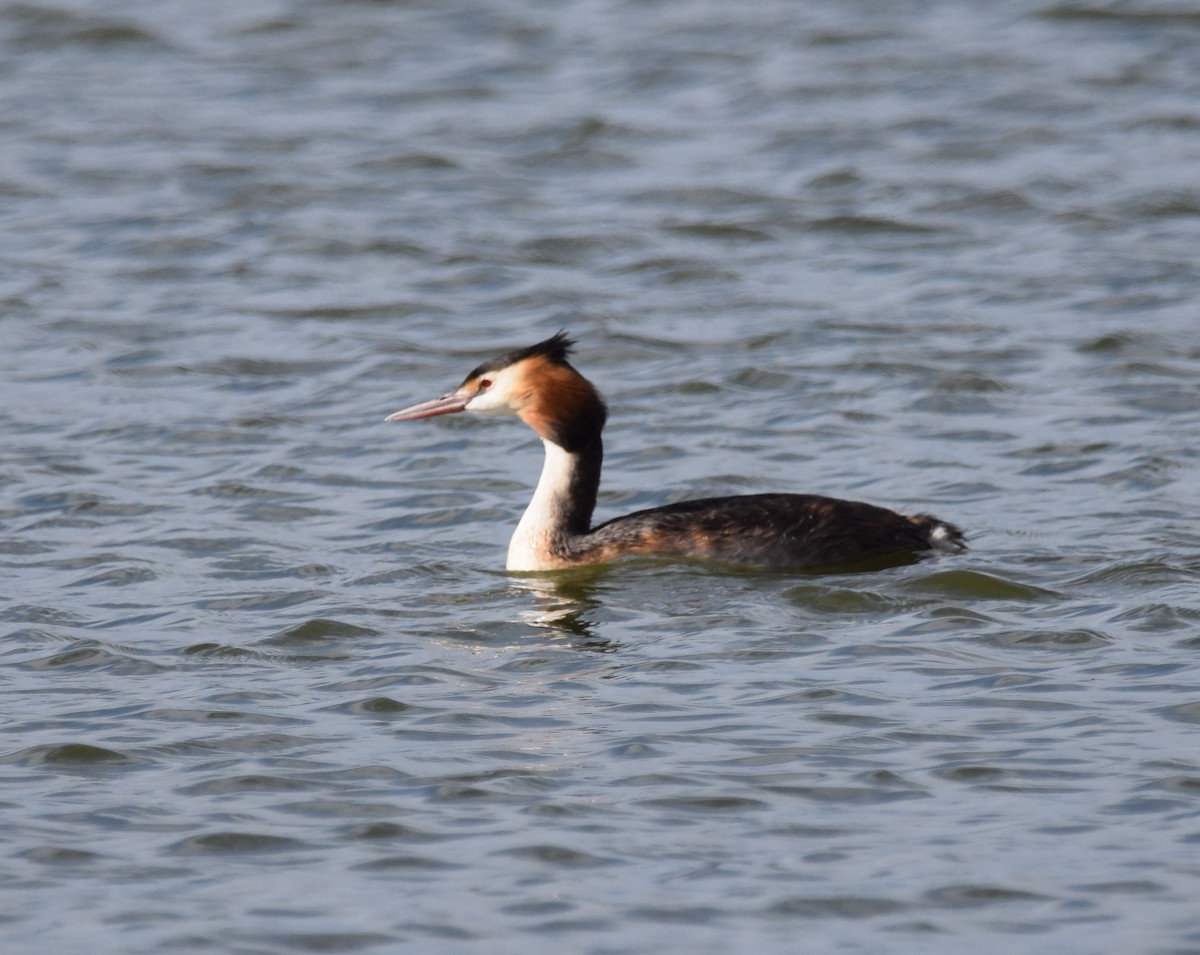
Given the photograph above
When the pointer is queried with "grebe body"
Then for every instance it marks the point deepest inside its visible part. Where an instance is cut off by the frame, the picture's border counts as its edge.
(781, 531)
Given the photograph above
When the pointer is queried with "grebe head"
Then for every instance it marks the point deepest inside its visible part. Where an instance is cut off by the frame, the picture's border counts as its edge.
(537, 384)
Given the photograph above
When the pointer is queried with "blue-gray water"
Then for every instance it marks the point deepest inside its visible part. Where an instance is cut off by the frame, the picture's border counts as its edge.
(265, 686)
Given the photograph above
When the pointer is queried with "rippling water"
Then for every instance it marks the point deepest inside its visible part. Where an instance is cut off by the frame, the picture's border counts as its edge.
(266, 687)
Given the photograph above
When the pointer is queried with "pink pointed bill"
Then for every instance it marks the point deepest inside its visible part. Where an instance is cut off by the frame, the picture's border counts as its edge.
(447, 404)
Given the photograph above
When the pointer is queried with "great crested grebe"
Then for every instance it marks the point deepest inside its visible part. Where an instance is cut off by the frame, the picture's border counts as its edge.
(782, 531)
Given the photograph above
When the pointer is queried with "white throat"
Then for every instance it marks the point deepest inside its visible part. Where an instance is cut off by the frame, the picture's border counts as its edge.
(532, 544)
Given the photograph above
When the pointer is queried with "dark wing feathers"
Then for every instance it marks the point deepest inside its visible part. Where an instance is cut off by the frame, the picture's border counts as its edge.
(776, 530)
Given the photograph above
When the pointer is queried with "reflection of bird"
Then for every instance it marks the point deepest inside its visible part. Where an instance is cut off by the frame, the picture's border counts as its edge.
(783, 531)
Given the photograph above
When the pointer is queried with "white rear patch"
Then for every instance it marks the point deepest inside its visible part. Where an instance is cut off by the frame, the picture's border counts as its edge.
(940, 538)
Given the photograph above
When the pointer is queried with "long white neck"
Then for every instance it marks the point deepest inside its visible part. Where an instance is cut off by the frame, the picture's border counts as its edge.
(561, 509)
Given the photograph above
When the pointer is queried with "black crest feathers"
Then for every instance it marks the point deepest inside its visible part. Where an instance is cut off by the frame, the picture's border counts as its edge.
(556, 348)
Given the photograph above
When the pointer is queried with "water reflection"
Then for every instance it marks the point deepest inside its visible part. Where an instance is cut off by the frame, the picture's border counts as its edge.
(563, 602)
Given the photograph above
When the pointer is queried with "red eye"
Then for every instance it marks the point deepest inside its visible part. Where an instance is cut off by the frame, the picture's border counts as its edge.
(485, 384)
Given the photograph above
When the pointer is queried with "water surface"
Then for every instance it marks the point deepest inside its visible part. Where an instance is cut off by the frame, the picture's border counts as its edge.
(266, 687)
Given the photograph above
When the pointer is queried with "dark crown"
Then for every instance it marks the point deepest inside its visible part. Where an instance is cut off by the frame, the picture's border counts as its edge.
(556, 348)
